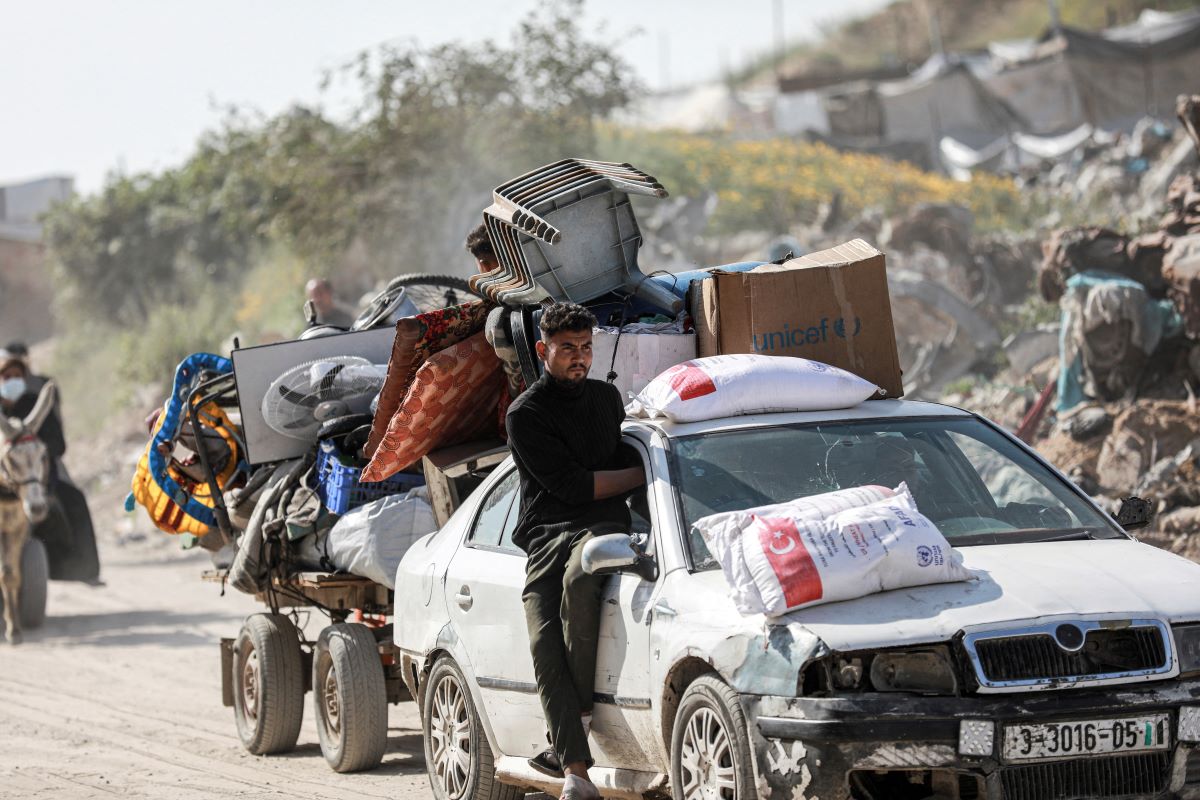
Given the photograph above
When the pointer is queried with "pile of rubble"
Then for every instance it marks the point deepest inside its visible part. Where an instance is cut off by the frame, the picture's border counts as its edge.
(1127, 329)
(1128, 360)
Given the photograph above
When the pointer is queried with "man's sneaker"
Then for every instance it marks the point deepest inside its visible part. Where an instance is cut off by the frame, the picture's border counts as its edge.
(546, 762)
(576, 788)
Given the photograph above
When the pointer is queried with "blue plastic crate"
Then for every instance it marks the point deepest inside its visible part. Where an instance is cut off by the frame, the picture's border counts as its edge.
(338, 486)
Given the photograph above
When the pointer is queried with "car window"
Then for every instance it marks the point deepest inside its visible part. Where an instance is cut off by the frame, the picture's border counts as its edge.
(510, 524)
(496, 510)
(970, 480)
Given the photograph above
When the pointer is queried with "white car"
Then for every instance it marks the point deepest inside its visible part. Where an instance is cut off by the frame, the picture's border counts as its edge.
(1069, 669)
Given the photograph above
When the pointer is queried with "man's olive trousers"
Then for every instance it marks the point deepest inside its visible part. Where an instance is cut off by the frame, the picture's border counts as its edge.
(562, 610)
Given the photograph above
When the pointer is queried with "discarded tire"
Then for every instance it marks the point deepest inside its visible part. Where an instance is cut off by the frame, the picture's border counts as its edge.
(268, 684)
(349, 697)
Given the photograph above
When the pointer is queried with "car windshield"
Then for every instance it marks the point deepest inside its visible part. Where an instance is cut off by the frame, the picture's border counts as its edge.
(969, 479)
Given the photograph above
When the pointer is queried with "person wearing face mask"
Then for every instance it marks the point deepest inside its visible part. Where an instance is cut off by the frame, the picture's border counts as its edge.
(18, 396)
(33, 383)
(69, 537)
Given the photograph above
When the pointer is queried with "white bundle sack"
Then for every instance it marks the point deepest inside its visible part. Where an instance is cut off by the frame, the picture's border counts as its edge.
(724, 534)
(793, 555)
(730, 385)
(371, 539)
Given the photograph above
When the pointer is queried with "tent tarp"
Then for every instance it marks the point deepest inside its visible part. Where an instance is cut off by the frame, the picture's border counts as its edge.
(1043, 91)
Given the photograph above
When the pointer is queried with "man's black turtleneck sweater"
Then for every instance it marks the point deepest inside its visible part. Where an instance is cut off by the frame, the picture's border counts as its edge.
(560, 434)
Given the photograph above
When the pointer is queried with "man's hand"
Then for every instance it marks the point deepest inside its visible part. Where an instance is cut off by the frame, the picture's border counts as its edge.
(612, 482)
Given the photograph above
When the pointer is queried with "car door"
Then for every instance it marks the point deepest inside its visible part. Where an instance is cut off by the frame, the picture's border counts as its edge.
(622, 724)
(484, 586)
(483, 593)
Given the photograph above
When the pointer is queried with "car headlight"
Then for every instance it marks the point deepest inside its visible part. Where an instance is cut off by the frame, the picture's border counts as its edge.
(1187, 645)
(927, 671)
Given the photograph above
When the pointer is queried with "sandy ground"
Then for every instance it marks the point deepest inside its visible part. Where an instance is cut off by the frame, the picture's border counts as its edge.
(119, 694)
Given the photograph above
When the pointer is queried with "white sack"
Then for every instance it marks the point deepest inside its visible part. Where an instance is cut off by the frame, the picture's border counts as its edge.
(371, 539)
(829, 547)
(729, 385)
(723, 534)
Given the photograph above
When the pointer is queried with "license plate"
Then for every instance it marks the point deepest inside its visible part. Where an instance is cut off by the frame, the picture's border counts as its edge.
(1088, 737)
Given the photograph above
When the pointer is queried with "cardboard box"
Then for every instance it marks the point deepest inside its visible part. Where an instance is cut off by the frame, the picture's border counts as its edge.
(641, 358)
(832, 306)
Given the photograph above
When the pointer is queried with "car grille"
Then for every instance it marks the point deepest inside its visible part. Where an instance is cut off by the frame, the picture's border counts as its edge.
(1110, 776)
(1039, 656)
(1192, 774)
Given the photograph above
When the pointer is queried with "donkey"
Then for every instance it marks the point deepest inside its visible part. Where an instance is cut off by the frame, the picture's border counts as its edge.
(24, 471)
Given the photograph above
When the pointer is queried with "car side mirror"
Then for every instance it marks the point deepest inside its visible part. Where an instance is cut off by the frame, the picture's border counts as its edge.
(1134, 513)
(613, 553)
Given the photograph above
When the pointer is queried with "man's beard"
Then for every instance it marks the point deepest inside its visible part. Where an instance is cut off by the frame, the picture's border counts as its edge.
(568, 382)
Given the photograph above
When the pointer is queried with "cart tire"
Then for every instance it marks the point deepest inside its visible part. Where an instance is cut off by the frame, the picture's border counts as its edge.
(35, 574)
(349, 697)
(268, 684)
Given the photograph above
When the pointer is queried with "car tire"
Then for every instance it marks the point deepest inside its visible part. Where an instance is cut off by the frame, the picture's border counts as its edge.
(710, 746)
(349, 697)
(35, 576)
(268, 684)
(458, 757)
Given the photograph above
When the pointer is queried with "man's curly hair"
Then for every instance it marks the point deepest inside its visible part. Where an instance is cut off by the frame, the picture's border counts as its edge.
(566, 317)
(479, 244)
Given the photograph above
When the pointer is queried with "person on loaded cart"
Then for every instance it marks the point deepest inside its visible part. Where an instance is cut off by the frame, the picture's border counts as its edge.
(479, 245)
(69, 538)
(565, 435)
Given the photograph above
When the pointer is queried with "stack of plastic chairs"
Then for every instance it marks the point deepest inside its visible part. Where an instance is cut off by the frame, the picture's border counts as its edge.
(567, 231)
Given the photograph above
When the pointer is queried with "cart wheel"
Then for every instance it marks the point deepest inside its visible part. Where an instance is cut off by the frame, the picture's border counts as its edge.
(268, 684)
(35, 573)
(349, 697)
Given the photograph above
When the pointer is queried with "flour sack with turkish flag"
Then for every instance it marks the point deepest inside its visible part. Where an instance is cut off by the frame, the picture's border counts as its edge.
(828, 547)
(731, 385)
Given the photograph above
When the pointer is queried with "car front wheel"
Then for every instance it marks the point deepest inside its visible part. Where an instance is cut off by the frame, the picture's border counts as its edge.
(457, 754)
(710, 749)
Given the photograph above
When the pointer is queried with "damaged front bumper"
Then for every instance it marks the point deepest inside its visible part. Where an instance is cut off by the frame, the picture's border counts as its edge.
(871, 746)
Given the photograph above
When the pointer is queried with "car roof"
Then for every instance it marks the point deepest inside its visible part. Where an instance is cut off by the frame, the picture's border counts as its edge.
(871, 409)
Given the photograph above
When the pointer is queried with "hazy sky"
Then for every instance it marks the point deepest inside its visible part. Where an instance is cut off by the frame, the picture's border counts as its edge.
(88, 86)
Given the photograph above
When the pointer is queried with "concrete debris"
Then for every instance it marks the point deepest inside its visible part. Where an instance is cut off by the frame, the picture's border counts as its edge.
(1026, 349)
(1181, 271)
(1180, 521)
(944, 227)
(1086, 422)
(1187, 108)
(1172, 481)
(1006, 264)
(1070, 251)
(1141, 437)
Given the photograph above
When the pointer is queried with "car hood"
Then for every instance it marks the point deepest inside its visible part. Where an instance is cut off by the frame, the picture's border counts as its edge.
(1110, 578)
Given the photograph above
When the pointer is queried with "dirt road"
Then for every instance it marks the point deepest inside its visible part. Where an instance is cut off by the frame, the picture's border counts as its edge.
(119, 694)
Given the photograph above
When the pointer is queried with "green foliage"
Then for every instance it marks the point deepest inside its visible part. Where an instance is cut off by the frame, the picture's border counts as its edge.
(177, 261)
(780, 183)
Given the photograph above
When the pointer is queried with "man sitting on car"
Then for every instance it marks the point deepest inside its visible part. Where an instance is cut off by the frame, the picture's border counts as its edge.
(565, 437)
